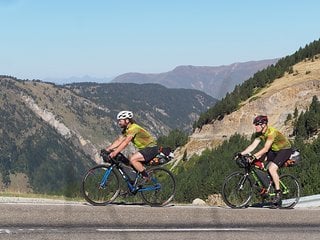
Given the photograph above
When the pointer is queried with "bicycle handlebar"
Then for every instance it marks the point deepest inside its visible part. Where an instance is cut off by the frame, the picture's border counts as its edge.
(120, 158)
(242, 160)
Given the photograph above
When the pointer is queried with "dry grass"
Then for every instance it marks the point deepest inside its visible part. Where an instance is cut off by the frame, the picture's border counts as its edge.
(302, 72)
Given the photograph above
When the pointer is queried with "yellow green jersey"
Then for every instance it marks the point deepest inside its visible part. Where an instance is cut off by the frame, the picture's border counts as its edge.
(279, 141)
(141, 137)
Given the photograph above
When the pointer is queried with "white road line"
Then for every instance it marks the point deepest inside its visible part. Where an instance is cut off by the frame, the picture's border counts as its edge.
(7, 231)
(172, 229)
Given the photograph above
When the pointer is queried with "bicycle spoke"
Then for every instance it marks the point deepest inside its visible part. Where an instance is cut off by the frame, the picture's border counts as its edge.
(237, 190)
(290, 188)
(161, 189)
(100, 185)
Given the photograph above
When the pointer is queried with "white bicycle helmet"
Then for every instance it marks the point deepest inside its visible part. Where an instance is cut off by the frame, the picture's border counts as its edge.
(124, 115)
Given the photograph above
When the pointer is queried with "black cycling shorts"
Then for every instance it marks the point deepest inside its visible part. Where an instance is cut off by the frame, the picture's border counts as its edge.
(279, 157)
(149, 153)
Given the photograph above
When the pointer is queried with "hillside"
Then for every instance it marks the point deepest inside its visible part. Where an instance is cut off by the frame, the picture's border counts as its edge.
(34, 156)
(294, 90)
(215, 81)
(156, 106)
(50, 134)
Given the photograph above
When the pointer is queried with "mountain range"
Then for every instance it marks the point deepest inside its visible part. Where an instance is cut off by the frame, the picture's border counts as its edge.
(215, 81)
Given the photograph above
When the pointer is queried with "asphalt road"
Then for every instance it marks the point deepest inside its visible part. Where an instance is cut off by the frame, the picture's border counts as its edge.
(82, 221)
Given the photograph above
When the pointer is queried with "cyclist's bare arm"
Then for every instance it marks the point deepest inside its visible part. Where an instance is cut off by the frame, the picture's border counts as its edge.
(123, 143)
(116, 143)
(251, 147)
(265, 149)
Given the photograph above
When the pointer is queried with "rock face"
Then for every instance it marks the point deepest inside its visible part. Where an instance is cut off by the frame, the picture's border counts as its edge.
(198, 202)
(281, 98)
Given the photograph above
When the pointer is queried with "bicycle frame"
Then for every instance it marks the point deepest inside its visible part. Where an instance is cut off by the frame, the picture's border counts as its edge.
(132, 187)
(252, 172)
(105, 177)
(103, 183)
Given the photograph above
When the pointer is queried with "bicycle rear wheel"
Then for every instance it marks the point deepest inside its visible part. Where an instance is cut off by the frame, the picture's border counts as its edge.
(290, 189)
(237, 190)
(163, 180)
(100, 185)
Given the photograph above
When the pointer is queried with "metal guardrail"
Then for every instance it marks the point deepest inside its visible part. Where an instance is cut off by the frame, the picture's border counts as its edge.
(309, 201)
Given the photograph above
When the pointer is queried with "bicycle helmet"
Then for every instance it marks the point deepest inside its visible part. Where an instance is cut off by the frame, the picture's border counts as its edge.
(260, 119)
(124, 115)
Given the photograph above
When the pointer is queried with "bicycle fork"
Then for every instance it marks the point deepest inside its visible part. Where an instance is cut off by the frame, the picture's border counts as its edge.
(242, 181)
(105, 178)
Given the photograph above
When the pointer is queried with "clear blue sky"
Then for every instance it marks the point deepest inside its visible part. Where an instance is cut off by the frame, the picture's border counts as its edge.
(105, 38)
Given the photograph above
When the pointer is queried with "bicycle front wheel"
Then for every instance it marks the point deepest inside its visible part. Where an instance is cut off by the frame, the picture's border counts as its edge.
(100, 185)
(237, 190)
(290, 189)
(161, 189)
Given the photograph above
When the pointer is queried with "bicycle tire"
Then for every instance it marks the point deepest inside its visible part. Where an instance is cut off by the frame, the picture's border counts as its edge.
(290, 188)
(237, 190)
(165, 180)
(92, 190)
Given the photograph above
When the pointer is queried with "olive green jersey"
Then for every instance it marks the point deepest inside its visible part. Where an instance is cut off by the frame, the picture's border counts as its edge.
(141, 137)
(279, 141)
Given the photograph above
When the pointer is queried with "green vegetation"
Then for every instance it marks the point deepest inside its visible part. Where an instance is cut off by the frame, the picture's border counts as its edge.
(261, 79)
(308, 123)
(175, 139)
(203, 175)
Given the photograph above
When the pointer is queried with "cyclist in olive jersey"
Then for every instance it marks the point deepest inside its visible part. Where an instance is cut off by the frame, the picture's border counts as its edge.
(141, 139)
(277, 149)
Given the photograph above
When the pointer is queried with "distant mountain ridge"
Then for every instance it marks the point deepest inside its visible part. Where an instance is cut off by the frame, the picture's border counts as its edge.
(85, 78)
(215, 81)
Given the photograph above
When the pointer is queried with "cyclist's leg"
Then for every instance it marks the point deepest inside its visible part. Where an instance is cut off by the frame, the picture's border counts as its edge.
(136, 160)
(143, 156)
(273, 170)
(277, 159)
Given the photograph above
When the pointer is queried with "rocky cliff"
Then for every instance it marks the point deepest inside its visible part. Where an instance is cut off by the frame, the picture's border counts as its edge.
(281, 98)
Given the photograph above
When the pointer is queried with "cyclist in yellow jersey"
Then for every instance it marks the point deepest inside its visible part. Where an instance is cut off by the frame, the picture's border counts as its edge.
(277, 149)
(141, 139)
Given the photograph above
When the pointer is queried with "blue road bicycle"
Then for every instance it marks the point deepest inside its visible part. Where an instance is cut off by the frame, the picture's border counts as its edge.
(101, 184)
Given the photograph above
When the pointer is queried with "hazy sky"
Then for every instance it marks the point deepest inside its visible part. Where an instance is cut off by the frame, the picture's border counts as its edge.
(105, 38)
